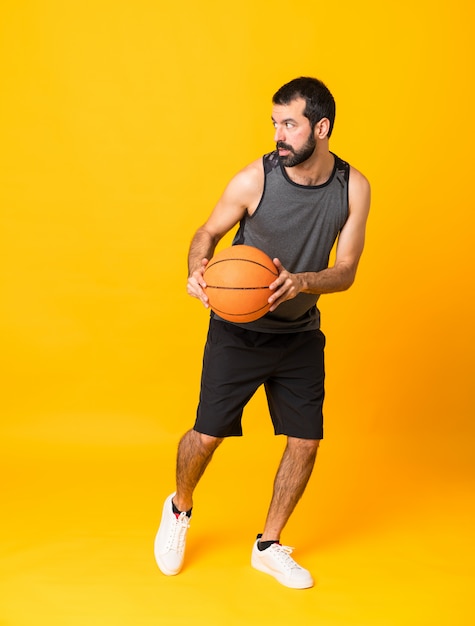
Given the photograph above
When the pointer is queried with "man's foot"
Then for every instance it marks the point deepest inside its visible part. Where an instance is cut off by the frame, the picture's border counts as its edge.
(276, 561)
(170, 539)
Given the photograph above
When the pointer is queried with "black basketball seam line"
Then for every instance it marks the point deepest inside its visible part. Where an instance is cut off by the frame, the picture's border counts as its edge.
(235, 288)
(247, 261)
(216, 310)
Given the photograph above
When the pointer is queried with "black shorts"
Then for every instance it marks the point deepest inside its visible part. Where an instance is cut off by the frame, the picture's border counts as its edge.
(237, 361)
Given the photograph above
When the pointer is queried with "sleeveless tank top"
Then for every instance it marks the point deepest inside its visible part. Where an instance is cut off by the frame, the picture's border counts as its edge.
(299, 225)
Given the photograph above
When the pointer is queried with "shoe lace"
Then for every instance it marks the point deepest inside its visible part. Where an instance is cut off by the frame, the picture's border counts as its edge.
(282, 554)
(176, 539)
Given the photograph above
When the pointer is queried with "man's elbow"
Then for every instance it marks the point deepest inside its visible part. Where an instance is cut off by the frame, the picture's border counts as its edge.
(348, 276)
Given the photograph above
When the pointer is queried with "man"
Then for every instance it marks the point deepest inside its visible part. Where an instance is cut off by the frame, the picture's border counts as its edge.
(293, 204)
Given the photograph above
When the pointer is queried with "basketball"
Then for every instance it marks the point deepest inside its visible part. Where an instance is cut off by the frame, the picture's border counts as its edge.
(237, 283)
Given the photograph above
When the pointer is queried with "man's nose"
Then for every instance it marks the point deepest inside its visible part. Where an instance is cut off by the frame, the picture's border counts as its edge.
(279, 134)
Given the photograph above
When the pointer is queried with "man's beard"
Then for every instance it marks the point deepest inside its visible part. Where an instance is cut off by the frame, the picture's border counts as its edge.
(297, 156)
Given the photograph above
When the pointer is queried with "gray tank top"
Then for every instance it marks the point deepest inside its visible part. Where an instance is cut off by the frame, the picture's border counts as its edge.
(299, 225)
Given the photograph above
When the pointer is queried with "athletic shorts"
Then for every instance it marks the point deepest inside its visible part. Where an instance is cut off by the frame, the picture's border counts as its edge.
(237, 361)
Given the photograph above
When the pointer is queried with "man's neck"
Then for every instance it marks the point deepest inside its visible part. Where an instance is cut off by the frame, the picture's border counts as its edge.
(314, 171)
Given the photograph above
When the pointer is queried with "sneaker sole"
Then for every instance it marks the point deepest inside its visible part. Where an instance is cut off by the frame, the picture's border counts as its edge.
(162, 567)
(256, 564)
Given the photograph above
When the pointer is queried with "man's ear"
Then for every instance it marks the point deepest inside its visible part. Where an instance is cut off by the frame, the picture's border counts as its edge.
(322, 128)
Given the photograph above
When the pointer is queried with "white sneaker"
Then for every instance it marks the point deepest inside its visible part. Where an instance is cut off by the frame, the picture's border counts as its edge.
(170, 539)
(277, 562)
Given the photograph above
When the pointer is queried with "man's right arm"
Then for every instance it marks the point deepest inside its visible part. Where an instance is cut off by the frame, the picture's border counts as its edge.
(242, 193)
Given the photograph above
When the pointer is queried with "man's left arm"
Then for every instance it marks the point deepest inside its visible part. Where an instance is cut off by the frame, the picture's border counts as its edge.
(350, 246)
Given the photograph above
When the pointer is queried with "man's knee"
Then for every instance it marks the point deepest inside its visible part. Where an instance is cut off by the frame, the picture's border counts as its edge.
(206, 443)
(303, 446)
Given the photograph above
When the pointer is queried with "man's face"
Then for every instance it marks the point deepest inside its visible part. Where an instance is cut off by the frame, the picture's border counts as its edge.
(295, 140)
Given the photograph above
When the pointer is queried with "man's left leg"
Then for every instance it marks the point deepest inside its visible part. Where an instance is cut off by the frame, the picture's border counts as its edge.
(291, 479)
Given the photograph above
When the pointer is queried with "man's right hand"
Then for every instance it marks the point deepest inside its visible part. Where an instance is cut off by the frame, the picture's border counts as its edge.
(196, 284)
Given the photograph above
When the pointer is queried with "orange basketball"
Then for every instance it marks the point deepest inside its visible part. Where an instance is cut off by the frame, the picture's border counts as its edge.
(237, 283)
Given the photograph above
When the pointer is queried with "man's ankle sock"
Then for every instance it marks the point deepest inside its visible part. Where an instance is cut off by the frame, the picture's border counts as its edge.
(263, 545)
(178, 512)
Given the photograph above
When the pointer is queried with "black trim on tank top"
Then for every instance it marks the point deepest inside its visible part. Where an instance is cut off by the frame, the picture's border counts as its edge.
(312, 187)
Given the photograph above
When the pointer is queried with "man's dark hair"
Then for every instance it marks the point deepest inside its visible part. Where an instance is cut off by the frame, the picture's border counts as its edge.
(319, 101)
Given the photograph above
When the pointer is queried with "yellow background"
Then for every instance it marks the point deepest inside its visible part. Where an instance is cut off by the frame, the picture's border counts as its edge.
(121, 122)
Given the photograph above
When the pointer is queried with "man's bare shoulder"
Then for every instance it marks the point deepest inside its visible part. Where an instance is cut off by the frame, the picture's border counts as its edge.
(357, 179)
(252, 174)
(359, 191)
(248, 184)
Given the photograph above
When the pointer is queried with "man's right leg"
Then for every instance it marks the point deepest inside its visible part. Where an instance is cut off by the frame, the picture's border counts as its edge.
(195, 451)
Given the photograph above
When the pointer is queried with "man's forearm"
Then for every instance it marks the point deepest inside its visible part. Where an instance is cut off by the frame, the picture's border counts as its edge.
(330, 280)
(202, 247)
